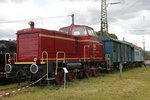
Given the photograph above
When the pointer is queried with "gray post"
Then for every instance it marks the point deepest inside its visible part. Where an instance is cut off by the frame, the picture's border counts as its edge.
(65, 71)
(64, 80)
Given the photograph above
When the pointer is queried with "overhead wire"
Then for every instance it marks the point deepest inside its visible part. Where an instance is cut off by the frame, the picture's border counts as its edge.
(15, 21)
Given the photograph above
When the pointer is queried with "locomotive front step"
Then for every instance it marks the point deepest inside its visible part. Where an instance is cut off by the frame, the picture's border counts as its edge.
(50, 79)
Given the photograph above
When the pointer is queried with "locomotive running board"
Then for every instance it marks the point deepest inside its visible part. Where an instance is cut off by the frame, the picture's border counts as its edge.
(50, 79)
(28, 62)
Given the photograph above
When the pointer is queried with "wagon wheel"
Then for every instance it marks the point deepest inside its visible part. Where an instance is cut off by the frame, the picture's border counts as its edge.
(59, 78)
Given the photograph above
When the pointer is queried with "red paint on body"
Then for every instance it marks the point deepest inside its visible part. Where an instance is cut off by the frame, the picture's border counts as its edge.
(32, 42)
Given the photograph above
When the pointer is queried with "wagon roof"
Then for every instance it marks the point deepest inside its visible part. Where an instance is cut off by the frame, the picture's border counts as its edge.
(107, 38)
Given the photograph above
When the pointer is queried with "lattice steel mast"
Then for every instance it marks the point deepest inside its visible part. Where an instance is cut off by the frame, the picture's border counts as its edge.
(104, 24)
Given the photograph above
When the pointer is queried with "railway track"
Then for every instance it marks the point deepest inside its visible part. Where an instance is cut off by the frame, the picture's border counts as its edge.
(16, 89)
(11, 87)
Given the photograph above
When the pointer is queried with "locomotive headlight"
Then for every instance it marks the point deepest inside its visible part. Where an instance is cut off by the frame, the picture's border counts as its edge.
(8, 68)
(35, 59)
(34, 68)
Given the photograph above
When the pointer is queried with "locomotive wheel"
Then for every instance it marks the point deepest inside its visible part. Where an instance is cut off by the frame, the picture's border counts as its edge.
(71, 75)
(95, 72)
(18, 76)
(81, 74)
(87, 72)
(59, 78)
(74, 75)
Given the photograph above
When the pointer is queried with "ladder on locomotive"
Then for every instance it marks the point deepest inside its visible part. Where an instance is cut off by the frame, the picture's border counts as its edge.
(57, 61)
(62, 59)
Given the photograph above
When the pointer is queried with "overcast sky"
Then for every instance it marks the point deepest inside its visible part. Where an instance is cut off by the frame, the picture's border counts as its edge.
(129, 19)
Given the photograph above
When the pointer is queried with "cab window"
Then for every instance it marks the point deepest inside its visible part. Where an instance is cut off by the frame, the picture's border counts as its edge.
(65, 30)
(79, 31)
(91, 32)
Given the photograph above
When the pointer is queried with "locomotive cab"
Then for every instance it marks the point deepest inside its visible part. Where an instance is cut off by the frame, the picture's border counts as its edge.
(92, 45)
(78, 30)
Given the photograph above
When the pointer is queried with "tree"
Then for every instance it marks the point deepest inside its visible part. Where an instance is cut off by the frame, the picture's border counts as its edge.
(147, 55)
(111, 35)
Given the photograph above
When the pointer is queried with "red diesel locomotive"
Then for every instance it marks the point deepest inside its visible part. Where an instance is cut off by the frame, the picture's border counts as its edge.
(44, 52)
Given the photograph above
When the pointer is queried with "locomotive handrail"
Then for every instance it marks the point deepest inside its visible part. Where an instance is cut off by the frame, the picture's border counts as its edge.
(15, 57)
(45, 52)
(57, 59)
(107, 58)
(85, 46)
(6, 57)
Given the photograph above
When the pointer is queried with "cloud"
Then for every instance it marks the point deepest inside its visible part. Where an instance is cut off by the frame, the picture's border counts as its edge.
(124, 11)
(143, 4)
(14, 1)
(7, 34)
(2, 18)
(42, 2)
(127, 9)
(18, 1)
(121, 18)
(80, 0)
(3, 1)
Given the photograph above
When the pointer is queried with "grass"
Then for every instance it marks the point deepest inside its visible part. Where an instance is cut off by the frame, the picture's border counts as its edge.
(134, 85)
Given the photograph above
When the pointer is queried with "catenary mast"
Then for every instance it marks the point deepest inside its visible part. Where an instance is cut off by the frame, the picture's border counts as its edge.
(104, 24)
